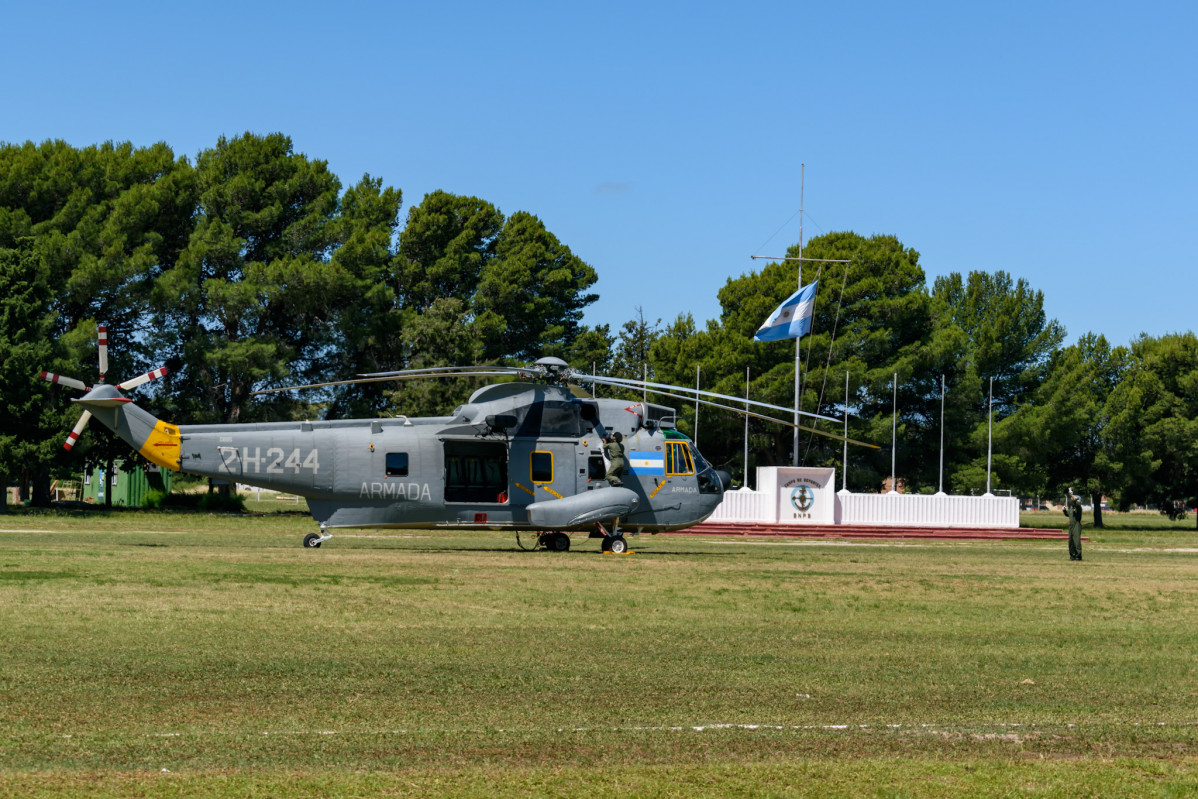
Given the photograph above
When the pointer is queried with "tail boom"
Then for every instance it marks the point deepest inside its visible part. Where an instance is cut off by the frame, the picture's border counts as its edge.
(155, 440)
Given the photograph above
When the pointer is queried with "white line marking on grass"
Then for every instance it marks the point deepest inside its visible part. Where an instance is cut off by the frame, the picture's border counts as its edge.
(879, 543)
(100, 532)
(1023, 547)
(932, 729)
(1185, 550)
(348, 535)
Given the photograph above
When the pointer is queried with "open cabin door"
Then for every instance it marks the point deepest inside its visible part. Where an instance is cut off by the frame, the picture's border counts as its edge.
(476, 471)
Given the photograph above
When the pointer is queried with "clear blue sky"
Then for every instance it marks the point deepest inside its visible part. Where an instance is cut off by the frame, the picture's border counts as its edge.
(662, 142)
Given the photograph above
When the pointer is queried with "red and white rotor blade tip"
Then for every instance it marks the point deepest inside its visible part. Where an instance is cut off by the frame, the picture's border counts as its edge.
(50, 377)
(146, 378)
(102, 332)
(78, 431)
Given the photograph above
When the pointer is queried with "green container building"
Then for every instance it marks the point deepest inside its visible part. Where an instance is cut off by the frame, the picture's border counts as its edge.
(128, 488)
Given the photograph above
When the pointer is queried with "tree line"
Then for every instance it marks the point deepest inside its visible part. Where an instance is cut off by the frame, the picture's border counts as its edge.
(251, 266)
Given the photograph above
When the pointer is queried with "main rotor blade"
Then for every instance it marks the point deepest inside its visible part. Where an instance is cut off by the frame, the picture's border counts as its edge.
(689, 394)
(788, 423)
(102, 335)
(383, 378)
(50, 377)
(78, 431)
(141, 379)
(763, 417)
(426, 372)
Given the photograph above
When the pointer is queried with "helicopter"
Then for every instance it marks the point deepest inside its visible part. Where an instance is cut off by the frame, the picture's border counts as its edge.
(525, 456)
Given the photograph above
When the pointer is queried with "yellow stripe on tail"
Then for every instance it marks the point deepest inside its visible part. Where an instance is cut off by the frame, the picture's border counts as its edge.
(162, 446)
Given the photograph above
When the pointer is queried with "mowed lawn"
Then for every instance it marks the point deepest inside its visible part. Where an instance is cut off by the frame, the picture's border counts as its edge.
(192, 654)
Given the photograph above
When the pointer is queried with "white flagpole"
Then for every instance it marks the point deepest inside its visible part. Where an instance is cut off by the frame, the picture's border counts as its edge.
(894, 437)
(941, 491)
(799, 340)
(746, 481)
(989, 438)
(696, 405)
(844, 481)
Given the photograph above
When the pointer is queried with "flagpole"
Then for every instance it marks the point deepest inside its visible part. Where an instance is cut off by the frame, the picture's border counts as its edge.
(941, 491)
(989, 437)
(894, 437)
(844, 483)
(799, 341)
(696, 405)
(746, 480)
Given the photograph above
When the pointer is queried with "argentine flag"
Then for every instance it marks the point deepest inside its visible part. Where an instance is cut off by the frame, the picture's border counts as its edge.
(647, 462)
(792, 318)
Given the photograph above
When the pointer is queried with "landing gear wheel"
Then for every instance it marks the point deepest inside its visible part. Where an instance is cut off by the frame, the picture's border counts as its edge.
(605, 544)
(312, 540)
(617, 545)
(558, 542)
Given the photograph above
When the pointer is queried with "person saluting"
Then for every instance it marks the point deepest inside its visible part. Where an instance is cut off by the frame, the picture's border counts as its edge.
(1073, 509)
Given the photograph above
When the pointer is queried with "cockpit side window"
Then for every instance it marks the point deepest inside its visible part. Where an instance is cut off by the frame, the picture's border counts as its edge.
(678, 458)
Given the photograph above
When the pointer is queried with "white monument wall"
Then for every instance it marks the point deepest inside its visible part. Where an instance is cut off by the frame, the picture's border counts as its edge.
(802, 495)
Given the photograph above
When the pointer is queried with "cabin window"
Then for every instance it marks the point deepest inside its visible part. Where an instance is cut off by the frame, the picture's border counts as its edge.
(541, 466)
(475, 471)
(397, 464)
(678, 458)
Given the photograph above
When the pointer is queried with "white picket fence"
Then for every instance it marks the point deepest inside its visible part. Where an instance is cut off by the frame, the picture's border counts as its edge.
(744, 505)
(927, 510)
(899, 510)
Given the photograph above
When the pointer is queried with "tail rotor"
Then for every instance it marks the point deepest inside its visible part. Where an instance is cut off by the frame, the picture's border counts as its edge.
(79, 385)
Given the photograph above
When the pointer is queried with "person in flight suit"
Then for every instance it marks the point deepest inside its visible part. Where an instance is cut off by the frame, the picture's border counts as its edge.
(614, 450)
(1073, 509)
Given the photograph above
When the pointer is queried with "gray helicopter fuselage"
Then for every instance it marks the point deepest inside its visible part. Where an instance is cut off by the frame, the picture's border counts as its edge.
(519, 456)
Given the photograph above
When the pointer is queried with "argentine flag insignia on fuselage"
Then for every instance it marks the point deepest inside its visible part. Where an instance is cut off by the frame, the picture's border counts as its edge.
(647, 463)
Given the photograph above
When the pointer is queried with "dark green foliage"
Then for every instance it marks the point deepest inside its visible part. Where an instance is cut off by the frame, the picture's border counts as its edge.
(254, 293)
(106, 221)
(26, 419)
(1008, 335)
(1152, 428)
(530, 301)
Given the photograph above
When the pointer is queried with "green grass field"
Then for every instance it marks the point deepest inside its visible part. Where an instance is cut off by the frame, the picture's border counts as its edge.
(172, 654)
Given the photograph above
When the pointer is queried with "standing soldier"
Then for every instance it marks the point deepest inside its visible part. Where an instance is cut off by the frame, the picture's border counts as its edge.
(614, 450)
(1073, 509)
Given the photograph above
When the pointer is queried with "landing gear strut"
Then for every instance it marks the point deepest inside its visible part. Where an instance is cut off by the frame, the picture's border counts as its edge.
(314, 540)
